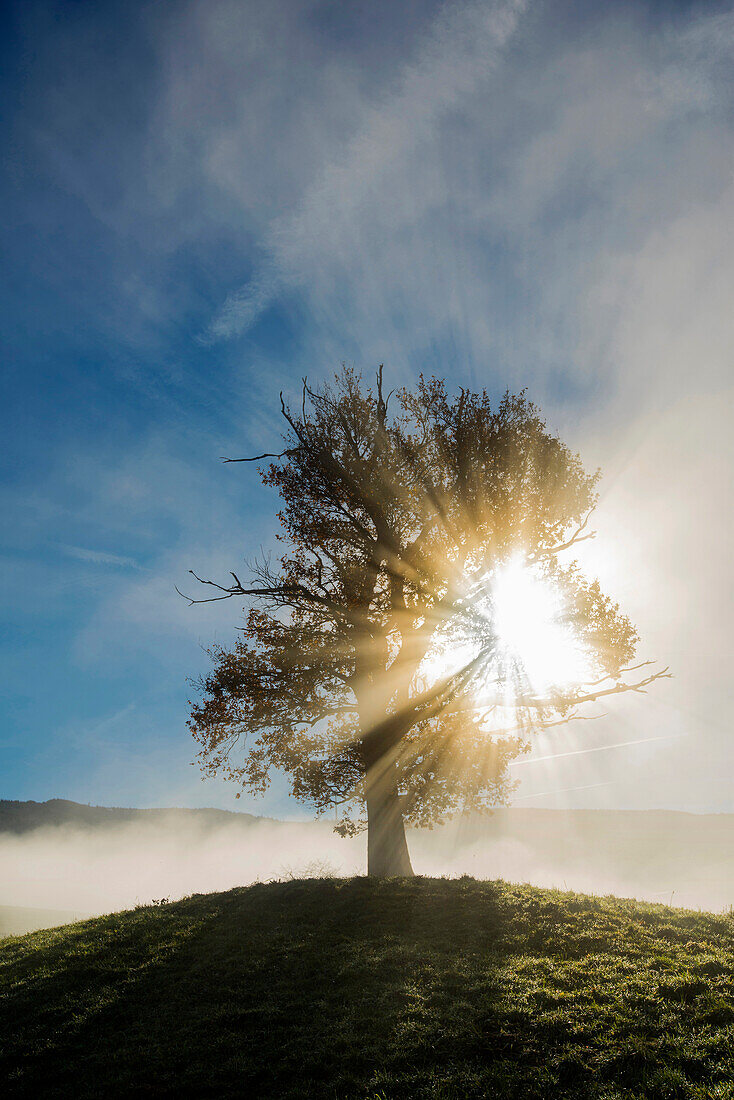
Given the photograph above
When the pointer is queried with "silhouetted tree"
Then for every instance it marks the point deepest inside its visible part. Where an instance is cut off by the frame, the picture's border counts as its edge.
(371, 669)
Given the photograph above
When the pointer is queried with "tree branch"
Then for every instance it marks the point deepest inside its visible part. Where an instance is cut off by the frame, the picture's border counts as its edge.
(266, 454)
(575, 538)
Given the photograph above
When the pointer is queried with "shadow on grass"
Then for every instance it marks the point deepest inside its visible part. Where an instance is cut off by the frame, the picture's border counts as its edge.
(339, 989)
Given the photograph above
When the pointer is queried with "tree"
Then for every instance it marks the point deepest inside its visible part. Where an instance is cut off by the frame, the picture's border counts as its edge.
(372, 668)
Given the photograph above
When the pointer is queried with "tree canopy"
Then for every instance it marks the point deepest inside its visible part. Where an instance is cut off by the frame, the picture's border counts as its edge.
(371, 668)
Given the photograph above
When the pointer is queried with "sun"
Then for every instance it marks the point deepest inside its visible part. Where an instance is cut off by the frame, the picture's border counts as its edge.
(535, 645)
(530, 620)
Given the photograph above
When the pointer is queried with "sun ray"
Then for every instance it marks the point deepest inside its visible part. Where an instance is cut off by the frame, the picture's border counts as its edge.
(595, 748)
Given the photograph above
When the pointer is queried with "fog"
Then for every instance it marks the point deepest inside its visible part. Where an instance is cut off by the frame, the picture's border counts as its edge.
(664, 857)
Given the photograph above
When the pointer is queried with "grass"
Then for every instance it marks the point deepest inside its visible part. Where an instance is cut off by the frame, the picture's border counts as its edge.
(377, 990)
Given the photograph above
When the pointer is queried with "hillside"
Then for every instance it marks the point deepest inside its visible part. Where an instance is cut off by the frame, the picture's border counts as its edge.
(23, 817)
(353, 988)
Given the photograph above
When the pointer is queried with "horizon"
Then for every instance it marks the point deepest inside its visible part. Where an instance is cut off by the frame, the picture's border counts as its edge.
(449, 823)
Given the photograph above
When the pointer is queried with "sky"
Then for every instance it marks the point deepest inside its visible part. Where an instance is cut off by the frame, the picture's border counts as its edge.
(204, 201)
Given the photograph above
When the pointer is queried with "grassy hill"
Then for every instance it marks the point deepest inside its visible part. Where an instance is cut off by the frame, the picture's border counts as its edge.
(352, 988)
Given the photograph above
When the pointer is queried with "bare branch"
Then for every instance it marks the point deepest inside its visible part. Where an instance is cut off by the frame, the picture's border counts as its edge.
(266, 454)
(592, 696)
(575, 538)
(293, 594)
(616, 675)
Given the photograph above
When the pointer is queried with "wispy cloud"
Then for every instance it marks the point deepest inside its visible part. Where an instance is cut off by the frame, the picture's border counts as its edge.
(461, 47)
(100, 557)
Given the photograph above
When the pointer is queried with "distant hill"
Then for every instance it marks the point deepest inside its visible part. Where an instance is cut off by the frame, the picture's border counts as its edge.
(353, 988)
(22, 817)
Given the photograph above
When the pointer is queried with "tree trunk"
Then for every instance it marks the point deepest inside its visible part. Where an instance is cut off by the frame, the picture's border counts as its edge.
(387, 848)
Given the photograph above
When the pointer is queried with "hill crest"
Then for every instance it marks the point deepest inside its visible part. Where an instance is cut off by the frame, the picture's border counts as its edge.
(362, 988)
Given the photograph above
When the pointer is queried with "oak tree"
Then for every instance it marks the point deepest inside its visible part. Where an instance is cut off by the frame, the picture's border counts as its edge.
(372, 668)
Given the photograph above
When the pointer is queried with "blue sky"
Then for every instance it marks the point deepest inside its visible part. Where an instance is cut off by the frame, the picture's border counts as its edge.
(204, 201)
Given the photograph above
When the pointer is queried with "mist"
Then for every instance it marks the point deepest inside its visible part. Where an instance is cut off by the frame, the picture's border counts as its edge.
(667, 857)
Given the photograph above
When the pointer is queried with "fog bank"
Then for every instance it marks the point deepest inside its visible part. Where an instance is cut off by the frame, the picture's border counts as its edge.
(667, 857)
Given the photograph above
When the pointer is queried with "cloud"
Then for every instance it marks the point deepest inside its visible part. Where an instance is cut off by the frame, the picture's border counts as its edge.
(490, 191)
(99, 557)
(463, 43)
